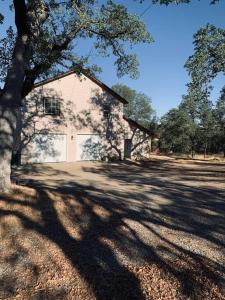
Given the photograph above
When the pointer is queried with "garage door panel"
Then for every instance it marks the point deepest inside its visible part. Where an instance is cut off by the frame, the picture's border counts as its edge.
(48, 148)
(90, 147)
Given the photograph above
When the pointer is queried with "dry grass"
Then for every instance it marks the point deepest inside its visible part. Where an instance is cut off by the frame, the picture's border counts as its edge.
(198, 157)
(65, 244)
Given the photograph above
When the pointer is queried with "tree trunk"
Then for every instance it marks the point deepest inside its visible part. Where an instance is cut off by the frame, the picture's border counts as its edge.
(10, 101)
(205, 150)
(28, 29)
(7, 125)
(192, 151)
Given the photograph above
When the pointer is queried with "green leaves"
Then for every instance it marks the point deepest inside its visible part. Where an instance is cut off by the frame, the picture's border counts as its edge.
(176, 131)
(1, 18)
(139, 107)
(167, 2)
(219, 117)
(6, 48)
(209, 56)
(207, 61)
(114, 28)
(110, 28)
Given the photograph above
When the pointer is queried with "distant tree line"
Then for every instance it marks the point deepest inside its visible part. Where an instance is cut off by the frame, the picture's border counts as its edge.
(194, 127)
(198, 126)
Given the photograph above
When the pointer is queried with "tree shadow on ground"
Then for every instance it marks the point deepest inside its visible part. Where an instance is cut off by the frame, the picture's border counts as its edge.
(102, 230)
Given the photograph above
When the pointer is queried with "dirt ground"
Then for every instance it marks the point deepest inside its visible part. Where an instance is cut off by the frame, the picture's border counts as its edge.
(124, 230)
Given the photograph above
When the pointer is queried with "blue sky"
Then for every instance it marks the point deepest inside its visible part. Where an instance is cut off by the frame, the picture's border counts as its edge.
(162, 75)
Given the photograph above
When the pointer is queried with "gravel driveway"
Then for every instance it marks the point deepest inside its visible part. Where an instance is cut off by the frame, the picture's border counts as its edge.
(126, 230)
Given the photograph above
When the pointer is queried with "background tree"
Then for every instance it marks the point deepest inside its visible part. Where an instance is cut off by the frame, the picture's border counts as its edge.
(206, 62)
(206, 125)
(190, 107)
(200, 110)
(139, 106)
(196, 122)
(219, 114)
(176, 131)
(167, 2)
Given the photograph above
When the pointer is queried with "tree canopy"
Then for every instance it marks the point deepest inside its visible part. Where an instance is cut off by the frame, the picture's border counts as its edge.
(167, 2)
(194, 127)
(206, 120)
(108, 26)
(139, 106)
(219, 115)
(52, 27)
(209, 56)
(176, 129)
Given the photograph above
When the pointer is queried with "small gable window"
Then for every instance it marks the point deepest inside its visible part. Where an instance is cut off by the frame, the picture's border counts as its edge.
(106, 111)
(51, 106)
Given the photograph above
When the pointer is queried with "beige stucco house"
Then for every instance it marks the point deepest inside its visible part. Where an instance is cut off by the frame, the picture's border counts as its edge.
(72, 118)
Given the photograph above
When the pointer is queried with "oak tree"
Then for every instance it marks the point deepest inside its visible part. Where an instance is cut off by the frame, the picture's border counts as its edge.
(46, 31)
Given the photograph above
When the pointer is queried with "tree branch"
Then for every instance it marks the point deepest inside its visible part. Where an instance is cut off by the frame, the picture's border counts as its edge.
(21, 17)
(33, 74)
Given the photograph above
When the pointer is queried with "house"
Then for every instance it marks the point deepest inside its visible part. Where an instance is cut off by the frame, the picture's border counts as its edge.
(72, 118)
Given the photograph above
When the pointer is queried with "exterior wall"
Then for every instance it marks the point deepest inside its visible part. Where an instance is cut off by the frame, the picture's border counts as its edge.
(141, 142)
(82, 112)
(143, 150)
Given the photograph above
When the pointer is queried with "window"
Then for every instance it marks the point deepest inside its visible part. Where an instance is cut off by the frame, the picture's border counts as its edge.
(51, 106)
(106, 111)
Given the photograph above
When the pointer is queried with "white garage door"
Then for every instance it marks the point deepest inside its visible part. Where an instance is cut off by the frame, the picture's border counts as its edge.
(89, 147)
(48, 148)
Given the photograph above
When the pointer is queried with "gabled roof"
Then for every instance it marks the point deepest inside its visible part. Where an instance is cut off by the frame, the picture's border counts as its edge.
(91, 77)
(137, 125)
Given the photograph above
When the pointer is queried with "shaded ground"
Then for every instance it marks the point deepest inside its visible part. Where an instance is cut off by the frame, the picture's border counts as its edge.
(149, 230)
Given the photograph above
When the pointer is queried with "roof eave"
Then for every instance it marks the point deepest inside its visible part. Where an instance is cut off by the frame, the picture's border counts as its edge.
(135, 124)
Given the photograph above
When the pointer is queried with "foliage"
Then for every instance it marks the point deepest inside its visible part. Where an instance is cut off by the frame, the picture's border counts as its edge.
(167, 2)
(108, 26)
(6, 49)
(1, 18)
(139, 105)
(206, 124)
(219, 115)
(195, 127)
(205, 129)
(209, 56)
(176, 131)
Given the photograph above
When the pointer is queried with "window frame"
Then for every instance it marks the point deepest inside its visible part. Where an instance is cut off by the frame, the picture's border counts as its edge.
(54, 108)
(106, 111)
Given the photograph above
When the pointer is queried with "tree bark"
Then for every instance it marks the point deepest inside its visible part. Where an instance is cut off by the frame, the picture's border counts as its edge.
(205, 150)
(10, 101)
(7, 127)
(28, 30)
(192, 150)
